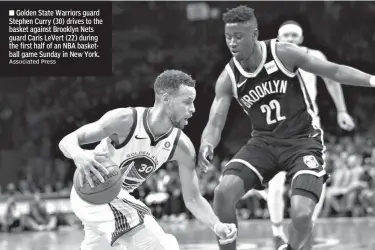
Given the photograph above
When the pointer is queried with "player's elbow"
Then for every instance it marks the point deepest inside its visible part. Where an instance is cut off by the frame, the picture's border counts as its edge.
(191, 199)
(62, 144)
(340, 74)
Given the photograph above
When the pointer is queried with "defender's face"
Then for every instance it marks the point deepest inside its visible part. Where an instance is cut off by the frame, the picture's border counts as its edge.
(240, 39)
(291, 37)
(181, 106)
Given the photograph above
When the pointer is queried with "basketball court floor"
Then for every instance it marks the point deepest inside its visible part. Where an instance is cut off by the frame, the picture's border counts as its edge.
(335, 234)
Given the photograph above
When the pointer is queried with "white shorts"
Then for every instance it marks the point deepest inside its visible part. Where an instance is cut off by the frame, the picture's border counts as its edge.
(125, 216)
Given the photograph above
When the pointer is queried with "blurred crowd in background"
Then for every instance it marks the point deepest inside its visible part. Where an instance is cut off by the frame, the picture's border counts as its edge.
(36, 112)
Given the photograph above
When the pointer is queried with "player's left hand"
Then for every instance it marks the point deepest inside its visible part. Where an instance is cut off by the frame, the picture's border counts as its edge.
(345, 121)
(226, 232)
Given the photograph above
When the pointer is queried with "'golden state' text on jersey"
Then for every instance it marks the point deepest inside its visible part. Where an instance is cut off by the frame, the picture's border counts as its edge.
(140, 154)
(274, 98)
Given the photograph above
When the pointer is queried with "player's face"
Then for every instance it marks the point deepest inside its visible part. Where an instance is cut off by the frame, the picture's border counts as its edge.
(240, 39)
(181, 106)
(291, 37)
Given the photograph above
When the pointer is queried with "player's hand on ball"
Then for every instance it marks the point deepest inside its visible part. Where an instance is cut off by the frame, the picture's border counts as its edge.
(345, 121)
(86, 165)
(226, 232)
(206, 153)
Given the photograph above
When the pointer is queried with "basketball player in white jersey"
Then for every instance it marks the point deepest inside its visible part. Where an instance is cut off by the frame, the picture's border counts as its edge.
(139, 140)
(291, 31)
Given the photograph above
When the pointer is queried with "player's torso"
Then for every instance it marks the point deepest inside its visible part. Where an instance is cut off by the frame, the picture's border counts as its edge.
(140, 154)
(275, 99)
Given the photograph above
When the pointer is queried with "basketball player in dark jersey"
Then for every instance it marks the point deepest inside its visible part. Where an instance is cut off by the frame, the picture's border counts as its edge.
(263, 77)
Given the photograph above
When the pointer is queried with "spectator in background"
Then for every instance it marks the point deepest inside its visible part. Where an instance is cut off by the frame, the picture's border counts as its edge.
(11, 189)
(346, 183)
(25, 188)
(175, 208)
(12, 220)
(38, 218)
(336, 191)
(367, 194)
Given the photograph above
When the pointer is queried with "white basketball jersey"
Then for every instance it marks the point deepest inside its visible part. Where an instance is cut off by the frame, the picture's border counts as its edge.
(140, 154)
(311, 79)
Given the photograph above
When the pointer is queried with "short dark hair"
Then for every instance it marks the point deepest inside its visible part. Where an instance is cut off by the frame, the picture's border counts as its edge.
(170, 80)
(239, 14)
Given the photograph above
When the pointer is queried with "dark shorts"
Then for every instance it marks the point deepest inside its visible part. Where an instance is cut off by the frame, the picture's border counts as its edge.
(266, 157)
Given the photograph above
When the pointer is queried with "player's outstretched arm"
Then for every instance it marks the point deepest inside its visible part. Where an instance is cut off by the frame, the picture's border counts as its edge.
(293, 56)
(194, 201)
(113, 122)
(334, 88)
(218, 115)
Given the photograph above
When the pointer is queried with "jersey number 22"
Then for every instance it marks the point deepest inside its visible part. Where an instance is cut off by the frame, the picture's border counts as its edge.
(268, 109)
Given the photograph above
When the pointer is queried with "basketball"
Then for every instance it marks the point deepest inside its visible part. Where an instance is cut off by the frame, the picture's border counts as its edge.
(102, 192)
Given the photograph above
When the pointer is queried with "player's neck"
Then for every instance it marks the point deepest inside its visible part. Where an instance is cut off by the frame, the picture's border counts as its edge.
(252, 62)
(158, 122)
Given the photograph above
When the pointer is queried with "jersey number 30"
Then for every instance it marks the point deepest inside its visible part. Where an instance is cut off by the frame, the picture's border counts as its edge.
(268, 109)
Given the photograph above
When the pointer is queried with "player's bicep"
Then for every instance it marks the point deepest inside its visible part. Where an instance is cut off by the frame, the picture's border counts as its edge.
(112, 122)
(295, 57)
(321, 67)
(90, 133)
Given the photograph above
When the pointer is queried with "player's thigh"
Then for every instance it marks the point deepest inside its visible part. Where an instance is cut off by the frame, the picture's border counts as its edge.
(305, 167)
(148, 236)
(277, 182)
(95, 240)
(113, 220)
(253, 166)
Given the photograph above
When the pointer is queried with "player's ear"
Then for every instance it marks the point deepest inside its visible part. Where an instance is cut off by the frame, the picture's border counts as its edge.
(301, 40)
(256, 34)
(166, 98)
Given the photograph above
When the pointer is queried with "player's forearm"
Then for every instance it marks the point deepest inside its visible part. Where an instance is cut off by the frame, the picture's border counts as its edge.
(70, 145)
(335, 90)
(351, 76)
(202, 210)
(211, 135)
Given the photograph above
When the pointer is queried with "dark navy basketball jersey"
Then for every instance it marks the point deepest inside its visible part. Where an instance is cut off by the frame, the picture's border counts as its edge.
(275, 99)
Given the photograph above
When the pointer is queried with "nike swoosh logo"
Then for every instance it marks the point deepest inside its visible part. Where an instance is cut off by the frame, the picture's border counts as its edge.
(136, 137)
(241, 83)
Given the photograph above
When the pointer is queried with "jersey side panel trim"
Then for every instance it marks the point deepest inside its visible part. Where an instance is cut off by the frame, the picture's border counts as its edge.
(312, 114)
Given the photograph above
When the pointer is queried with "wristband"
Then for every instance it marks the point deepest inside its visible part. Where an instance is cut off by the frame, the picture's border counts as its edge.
(372, 81)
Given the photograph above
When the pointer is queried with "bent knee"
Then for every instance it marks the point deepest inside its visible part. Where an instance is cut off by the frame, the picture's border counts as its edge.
(302, 209)
(230, 189)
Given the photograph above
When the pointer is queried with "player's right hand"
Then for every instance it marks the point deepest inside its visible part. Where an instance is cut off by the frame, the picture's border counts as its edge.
(226, 232)
(87, 165)
(206, 153)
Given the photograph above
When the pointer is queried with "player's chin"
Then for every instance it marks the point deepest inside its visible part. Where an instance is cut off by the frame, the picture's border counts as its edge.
(183, 123)
(237, 55)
